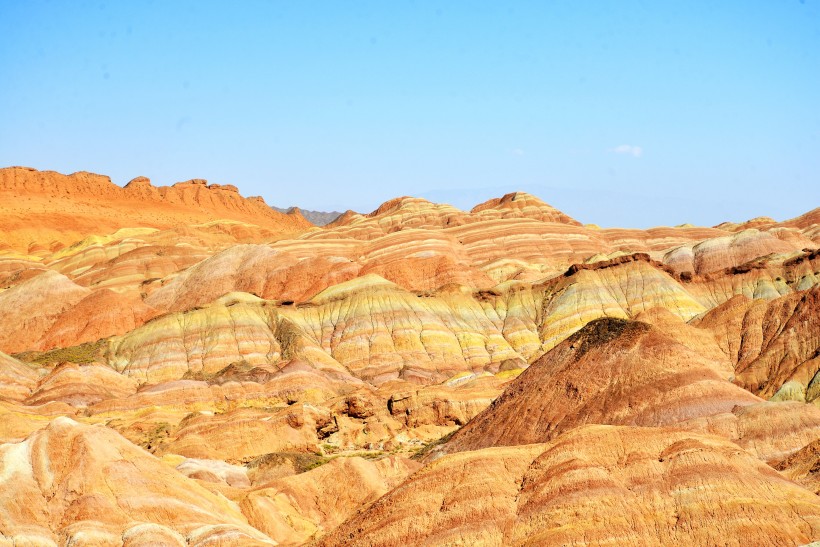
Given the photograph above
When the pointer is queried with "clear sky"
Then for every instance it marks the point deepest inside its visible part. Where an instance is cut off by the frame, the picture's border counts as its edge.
(622, 113)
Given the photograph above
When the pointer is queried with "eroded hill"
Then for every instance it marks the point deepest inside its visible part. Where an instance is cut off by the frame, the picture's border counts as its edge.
(483, 376)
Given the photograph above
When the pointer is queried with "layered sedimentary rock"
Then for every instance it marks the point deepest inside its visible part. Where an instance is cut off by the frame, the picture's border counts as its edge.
(180, 262)
(99, 315)
(771, 431)
(729, 251)
(257, 357)
(368, 328)
(16, 268)
(521, 205)
(380, 332)
(624, 485)
(19, 420)
(81, 385)
(808, 222)
(621, 288)
(455, 402)
(17, 380)
(440, 333)
(51, 311)
(133, 266)
(612, 371)
(255, 269)
(247, 433)
(520, 236)
(374, 330)
(209, 339)
(700, 341)
(477, 255)
(279, 386)
(773, 344)
(762, 278)
(28, 310)
(71, 483)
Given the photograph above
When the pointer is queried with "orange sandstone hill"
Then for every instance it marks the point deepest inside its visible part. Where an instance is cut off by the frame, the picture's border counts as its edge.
(45, 209)
(184, 366)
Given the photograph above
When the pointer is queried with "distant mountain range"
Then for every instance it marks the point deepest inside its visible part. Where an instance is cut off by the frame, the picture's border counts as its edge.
(319, 218)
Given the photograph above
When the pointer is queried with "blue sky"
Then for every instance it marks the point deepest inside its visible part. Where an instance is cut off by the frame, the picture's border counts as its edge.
(620, 113)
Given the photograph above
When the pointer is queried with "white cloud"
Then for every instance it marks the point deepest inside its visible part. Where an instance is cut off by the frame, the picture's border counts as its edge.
(631, 149)
(517, 152)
